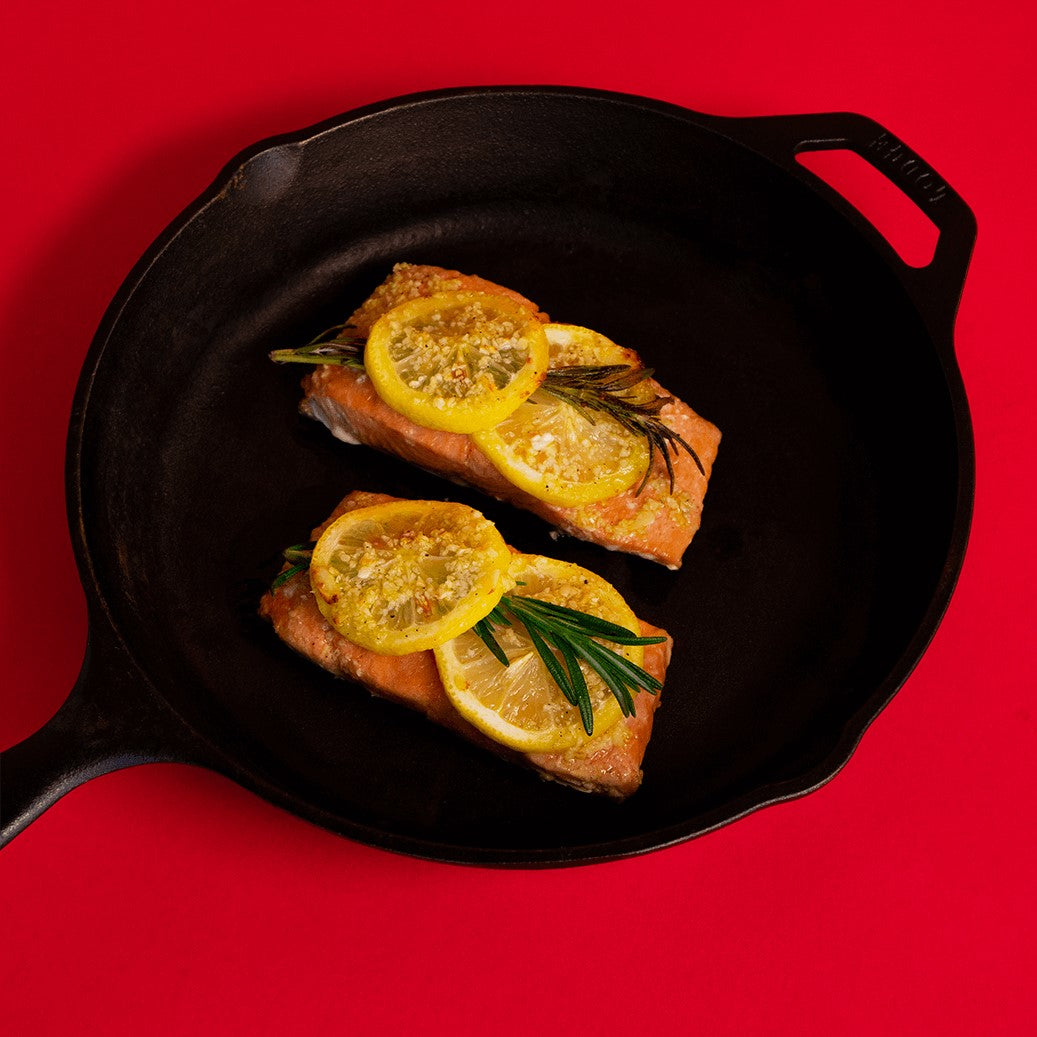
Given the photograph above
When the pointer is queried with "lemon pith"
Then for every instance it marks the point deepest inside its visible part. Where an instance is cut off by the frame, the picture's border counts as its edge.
(408, 575)
(520, 705)
(556, 452)
(456, 361)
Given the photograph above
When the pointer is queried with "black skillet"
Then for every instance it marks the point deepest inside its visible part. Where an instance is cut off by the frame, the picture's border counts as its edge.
(834, 527)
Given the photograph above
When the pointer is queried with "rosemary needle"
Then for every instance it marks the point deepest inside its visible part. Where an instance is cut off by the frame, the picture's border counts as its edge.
(298, 558)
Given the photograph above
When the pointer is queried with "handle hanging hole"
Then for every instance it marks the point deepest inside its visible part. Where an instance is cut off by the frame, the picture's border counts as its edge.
(896, 217)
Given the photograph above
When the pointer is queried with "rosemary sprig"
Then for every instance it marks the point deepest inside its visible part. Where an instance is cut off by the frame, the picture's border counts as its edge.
(574, 635)
(604, 389)
(607, 390)
(298, 556)
(338, 345)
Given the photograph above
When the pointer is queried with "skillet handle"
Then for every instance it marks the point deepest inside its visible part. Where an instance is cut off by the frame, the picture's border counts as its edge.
(112, 719)
(935, 288)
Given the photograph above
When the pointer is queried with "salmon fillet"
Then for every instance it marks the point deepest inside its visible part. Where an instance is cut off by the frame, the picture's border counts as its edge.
(608, 764)
(655, 524)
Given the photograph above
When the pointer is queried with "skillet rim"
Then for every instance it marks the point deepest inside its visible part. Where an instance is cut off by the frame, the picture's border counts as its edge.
(219, 758)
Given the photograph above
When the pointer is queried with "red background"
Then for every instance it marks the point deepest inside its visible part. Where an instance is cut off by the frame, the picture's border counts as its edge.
(897, 899)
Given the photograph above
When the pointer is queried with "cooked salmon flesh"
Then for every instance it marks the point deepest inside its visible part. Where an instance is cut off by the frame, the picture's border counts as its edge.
(609, 763)
(654, 523)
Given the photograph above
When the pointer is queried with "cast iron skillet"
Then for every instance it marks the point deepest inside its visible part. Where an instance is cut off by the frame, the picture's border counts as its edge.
(834, 527)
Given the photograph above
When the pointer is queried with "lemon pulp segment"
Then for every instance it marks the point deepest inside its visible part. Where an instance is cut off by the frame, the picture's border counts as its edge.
(408, 575)
(557, 452)
(520, 705)
(457, 361)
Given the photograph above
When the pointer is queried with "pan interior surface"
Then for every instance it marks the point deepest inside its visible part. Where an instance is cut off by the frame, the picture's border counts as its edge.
(826, 526)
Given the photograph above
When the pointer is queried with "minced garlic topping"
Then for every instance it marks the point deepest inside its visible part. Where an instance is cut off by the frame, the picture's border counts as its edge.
(400, 580)
(644, 509)
(458, 352)
(405, 283)
(404, 576)
(567, 445)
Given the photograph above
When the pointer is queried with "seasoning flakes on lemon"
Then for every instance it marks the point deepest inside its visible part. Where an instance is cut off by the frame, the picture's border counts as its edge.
(560, 453)
(521, 705)
(408, 575)
(538, 654)
(457, 361)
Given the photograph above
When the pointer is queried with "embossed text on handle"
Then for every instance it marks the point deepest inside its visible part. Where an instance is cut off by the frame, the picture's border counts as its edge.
(906, 167)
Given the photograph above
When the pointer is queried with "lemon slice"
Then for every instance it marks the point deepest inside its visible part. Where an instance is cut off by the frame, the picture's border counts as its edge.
(520, 705)
(408, 575)
(457, 361)
(569, 345)
(559, 453)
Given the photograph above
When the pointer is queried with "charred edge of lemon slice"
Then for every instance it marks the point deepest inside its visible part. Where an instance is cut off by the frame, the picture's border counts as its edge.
(456, 361)
(520, 706)
(407, 576)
